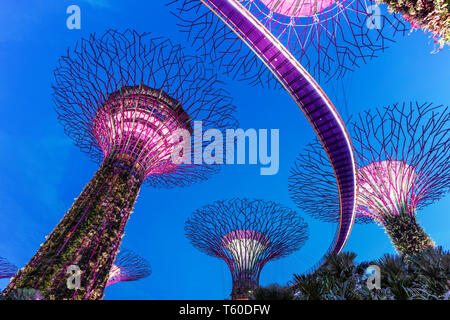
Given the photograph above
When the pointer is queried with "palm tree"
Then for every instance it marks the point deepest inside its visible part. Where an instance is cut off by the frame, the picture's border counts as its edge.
(273, 292)
(423, 276)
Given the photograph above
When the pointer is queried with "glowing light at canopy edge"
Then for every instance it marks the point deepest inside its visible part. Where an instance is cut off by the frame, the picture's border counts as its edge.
(291, 8)
(389, 182)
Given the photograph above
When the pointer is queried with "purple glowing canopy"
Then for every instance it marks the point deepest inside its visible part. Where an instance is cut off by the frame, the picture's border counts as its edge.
(386, 188)
(297, 8)
(246, 234)
(403, 152)
(278, 228)
(122, 94)
(403, 155)
(151, 127)
(128, 266)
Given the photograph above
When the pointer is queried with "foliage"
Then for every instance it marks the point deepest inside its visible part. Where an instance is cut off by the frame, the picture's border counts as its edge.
(422, 276)
(23, 294)
(432, 16)
(407, 236)
(272, 292)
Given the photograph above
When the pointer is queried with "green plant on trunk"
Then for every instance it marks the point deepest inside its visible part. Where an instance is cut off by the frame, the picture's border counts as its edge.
(272, 292)
(88, 238)
(407, 236)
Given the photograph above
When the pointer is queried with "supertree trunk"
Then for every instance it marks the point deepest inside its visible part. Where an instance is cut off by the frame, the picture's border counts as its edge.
(407, 236)
(244, 284)
(88, 237)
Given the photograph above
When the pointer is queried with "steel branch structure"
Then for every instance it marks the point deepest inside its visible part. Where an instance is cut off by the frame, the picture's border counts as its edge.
(130, 102)
(128, 266)
(403, 153)
(312, 185)
(7, 269)
(246, 234)
(328, 37)
(316, 106)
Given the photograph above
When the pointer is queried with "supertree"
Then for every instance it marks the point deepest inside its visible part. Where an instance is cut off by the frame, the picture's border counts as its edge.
(128, 266)
(246, 234)
(403, 154)
(130, 102)
(328, 37)
(7, 269)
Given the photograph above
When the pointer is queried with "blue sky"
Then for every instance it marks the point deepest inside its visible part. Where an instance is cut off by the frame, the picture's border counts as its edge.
(42, 171)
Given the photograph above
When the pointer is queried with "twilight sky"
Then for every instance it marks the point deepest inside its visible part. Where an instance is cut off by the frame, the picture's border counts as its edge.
(42, 171)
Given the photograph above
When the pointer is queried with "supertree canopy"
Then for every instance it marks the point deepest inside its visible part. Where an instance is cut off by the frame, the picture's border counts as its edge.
(328, 37)
(246, 234)
(403, 155)
(128, 266)
(312, 185)
(432, 16)
(129, 101)
(7, 269)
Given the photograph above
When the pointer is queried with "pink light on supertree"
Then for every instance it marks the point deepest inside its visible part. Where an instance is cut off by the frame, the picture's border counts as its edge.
(246, 234)
(328, 37)
(7, 269)
(297, 8)
(385, 187)
(403, 155)
(122, 130)
(128, 266)
(129, 101)
(245, 247)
